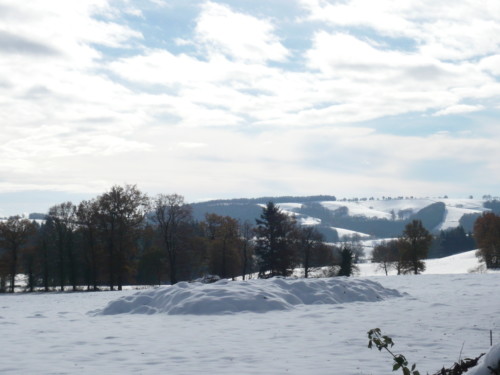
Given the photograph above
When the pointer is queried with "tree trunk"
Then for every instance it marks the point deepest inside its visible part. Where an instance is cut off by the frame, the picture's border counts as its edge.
(13, 269)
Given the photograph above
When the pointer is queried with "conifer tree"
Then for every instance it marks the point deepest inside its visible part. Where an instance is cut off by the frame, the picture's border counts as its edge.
(276, 242)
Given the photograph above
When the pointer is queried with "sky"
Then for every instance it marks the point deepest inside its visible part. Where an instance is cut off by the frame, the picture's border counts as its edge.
(247, 98)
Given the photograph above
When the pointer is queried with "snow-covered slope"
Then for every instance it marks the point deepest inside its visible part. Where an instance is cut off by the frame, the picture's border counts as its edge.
(391, 209)
(466, 262)
(343, 233)
(456, 208)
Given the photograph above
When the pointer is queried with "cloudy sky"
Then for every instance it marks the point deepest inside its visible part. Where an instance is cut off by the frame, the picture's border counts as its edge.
(245, 98)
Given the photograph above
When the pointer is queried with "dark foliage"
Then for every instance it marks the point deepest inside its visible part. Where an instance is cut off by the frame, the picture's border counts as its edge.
(451, 241)
(347, 266)
(414, 246)
(467, 221)
(430, 216)
(276, 244)
(460, 367)
(493, 205)
(487, 235)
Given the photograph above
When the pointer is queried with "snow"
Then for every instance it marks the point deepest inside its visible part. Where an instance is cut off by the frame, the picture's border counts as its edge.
(289, 206)
(466, 262)
(54, 333)
(397, 205)
(383, 209)
(357, 209)
(308, 220)
(492, 359)
(225, 297)
(456, 208)
(390, 209)
(346, 232)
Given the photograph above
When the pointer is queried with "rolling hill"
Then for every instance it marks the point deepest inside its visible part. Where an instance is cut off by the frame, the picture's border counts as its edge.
(370, 218)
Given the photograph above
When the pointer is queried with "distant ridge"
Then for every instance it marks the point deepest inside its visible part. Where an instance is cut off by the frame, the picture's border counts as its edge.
(279, 199)
(376, 218)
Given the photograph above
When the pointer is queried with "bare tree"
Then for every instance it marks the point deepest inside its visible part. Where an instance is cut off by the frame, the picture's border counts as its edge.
(386, 254)
(64, 221)
(87, 215)
(121, 212)
(247, 247)
(171, 213)
(414, 246)
(14, 234)
(487, 235)
(45, 252)
(310, 240)
(224, 242)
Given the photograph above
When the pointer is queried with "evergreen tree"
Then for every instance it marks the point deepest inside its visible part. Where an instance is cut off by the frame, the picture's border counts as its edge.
(452, 241)
(347, 266)
(276, 244)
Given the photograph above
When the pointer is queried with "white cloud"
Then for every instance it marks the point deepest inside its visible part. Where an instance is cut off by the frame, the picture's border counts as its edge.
(229, 105)
(237, 35)
(459, 109)
(491, 64)
(439, 30)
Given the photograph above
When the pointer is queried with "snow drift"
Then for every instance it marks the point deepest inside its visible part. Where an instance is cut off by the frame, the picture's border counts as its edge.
(492, 359)
(225, 297)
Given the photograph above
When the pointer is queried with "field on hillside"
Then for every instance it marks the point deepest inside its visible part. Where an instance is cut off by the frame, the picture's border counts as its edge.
(435, 316)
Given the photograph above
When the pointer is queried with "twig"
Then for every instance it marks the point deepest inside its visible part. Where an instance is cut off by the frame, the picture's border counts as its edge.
(460, 355)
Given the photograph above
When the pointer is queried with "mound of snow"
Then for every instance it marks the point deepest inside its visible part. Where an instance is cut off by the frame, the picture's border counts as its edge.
(492, 359)
(224, 297)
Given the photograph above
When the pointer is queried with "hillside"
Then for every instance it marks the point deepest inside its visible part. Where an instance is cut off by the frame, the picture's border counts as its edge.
(374, 218)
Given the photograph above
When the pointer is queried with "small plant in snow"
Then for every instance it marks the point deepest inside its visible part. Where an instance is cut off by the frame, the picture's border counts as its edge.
(384, 342)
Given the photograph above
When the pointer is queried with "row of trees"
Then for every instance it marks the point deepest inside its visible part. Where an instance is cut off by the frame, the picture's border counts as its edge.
(407, 253)
(123, 237)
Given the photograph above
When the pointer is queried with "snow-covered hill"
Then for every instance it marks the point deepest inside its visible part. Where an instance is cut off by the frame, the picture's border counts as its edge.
(394, 209)
(375, 218)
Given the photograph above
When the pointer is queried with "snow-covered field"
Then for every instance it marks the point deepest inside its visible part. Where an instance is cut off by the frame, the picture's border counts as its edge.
(434, 316)
(466, 262)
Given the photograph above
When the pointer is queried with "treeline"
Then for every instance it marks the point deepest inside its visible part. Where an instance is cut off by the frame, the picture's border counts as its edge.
(124, 237)
(406, 253)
